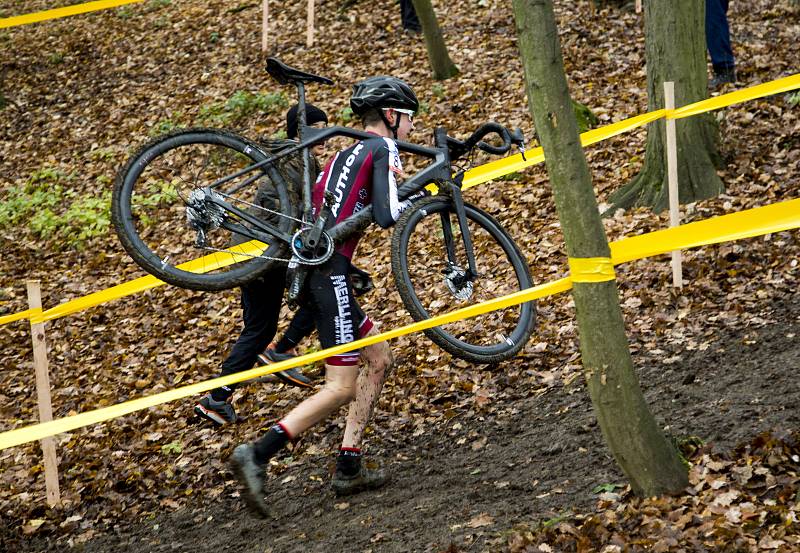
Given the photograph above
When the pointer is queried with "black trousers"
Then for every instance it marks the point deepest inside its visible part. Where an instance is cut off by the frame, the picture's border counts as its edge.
(409, 16)
(261, 308)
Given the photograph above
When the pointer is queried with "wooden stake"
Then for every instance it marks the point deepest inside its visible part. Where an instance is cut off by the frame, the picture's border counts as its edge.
(264, 26)
(672, 175)
(310, 24)
(43, 395)
(638, 6)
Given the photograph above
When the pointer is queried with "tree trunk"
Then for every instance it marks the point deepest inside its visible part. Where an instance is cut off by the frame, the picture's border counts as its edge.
(441, 64)
(649, 461)
(675, 49)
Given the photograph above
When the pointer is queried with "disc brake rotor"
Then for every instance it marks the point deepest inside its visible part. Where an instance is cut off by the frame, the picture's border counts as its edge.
(458, 282)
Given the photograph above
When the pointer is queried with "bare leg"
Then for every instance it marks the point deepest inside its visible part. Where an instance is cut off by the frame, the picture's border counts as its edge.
(340, 386)
(377, 364)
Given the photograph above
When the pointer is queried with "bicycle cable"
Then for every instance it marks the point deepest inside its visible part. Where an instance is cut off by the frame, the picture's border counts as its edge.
(261, 208)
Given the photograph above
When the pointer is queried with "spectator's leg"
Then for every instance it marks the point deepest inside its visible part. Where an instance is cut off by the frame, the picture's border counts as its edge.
(301, 326)
(261, 305)
(718, 38)
(409, 16)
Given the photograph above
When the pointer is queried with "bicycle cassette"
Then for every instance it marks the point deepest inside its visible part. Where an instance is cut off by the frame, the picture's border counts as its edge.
(203, 215)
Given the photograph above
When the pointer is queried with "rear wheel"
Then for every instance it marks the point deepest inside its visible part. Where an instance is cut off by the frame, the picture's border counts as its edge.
(164, 210)
(429, 263)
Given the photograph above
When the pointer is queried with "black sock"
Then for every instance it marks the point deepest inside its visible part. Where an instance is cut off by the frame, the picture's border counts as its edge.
(349, 461)
(270, 444)
(222, 393)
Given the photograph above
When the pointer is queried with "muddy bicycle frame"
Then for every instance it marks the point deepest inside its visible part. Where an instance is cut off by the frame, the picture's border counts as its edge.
(437, 172)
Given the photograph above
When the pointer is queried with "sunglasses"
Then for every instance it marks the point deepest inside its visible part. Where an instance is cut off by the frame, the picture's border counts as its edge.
(408, 112)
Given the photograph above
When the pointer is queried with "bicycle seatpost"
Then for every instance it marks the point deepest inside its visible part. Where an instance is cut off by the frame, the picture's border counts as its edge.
(306, 153)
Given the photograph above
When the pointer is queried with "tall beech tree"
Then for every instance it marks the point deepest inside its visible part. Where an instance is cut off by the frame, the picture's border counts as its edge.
(675, 50)
(648, 459)
(441, 64)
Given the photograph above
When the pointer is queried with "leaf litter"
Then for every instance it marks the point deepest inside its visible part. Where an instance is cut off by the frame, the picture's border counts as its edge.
(516, 443)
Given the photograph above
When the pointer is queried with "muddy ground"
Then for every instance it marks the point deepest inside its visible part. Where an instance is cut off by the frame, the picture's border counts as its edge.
(457, 490)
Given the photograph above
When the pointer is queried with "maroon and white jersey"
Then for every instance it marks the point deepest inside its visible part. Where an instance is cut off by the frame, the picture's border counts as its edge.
(361, 175)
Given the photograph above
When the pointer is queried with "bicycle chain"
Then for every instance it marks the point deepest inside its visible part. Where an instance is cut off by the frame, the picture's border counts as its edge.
(248, 254)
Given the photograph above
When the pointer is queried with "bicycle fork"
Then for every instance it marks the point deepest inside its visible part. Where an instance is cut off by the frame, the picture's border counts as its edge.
(458, 280)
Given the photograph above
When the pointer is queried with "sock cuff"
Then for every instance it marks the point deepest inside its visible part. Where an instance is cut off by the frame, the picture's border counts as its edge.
(350, 451)
(280, 427)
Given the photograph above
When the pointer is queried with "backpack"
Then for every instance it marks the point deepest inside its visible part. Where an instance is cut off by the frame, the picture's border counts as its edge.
(291, 169)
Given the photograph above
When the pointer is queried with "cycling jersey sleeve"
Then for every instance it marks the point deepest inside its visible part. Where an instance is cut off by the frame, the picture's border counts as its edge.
(386, 206)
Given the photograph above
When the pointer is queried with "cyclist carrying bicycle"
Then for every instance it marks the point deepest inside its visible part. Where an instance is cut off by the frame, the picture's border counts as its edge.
(361, 175)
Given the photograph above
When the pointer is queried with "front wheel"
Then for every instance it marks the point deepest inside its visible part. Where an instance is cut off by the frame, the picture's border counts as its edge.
(165, 220)
(431, 273)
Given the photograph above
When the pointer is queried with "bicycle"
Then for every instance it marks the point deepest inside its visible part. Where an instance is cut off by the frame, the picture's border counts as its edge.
(203, 181)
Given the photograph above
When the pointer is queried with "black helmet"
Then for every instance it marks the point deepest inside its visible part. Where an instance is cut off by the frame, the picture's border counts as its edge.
(382, 92)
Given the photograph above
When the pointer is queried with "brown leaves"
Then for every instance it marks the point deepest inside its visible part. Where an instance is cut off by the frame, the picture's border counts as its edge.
(121, 77)
(718, 515)
(483, 519)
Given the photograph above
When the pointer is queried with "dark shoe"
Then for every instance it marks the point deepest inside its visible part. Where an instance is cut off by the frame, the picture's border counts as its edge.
(218, 412)
(251, 477)
(271, 356)
(721, 77)
(289, 376)
(364, 479)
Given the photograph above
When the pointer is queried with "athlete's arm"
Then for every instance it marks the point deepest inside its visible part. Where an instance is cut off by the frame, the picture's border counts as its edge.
(386, 205)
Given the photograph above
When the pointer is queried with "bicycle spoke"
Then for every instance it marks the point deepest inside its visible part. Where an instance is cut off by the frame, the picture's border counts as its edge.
(428, 262)
(159, 204)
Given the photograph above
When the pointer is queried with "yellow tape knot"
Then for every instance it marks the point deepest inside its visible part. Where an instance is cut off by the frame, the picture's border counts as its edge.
(591, 269)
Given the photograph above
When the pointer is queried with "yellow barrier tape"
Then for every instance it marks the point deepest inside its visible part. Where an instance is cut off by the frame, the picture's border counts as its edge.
(58, 13)
(5, 319)
(591, 269)
(737, 96)
(735, 226)
(51, 428)
(534, 156)
(745, 224)
(204, 264)
(498, 168)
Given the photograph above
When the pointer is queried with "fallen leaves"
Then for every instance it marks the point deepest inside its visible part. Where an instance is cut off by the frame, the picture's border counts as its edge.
(483, 519)
(754, 517)
(133, 467)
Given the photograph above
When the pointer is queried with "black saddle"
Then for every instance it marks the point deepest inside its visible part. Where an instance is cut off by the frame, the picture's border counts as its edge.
(289, 75)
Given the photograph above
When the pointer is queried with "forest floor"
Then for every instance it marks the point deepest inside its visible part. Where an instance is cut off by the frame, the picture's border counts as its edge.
(468, 486)
(483, 458)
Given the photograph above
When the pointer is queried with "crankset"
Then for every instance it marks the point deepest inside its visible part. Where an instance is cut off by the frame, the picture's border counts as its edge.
(310, 252)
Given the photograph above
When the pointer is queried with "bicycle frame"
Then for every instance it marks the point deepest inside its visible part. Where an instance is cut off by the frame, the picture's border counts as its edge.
(439, 172)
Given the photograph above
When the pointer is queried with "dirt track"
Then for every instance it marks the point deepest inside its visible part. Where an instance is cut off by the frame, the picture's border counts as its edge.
(464, 488)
